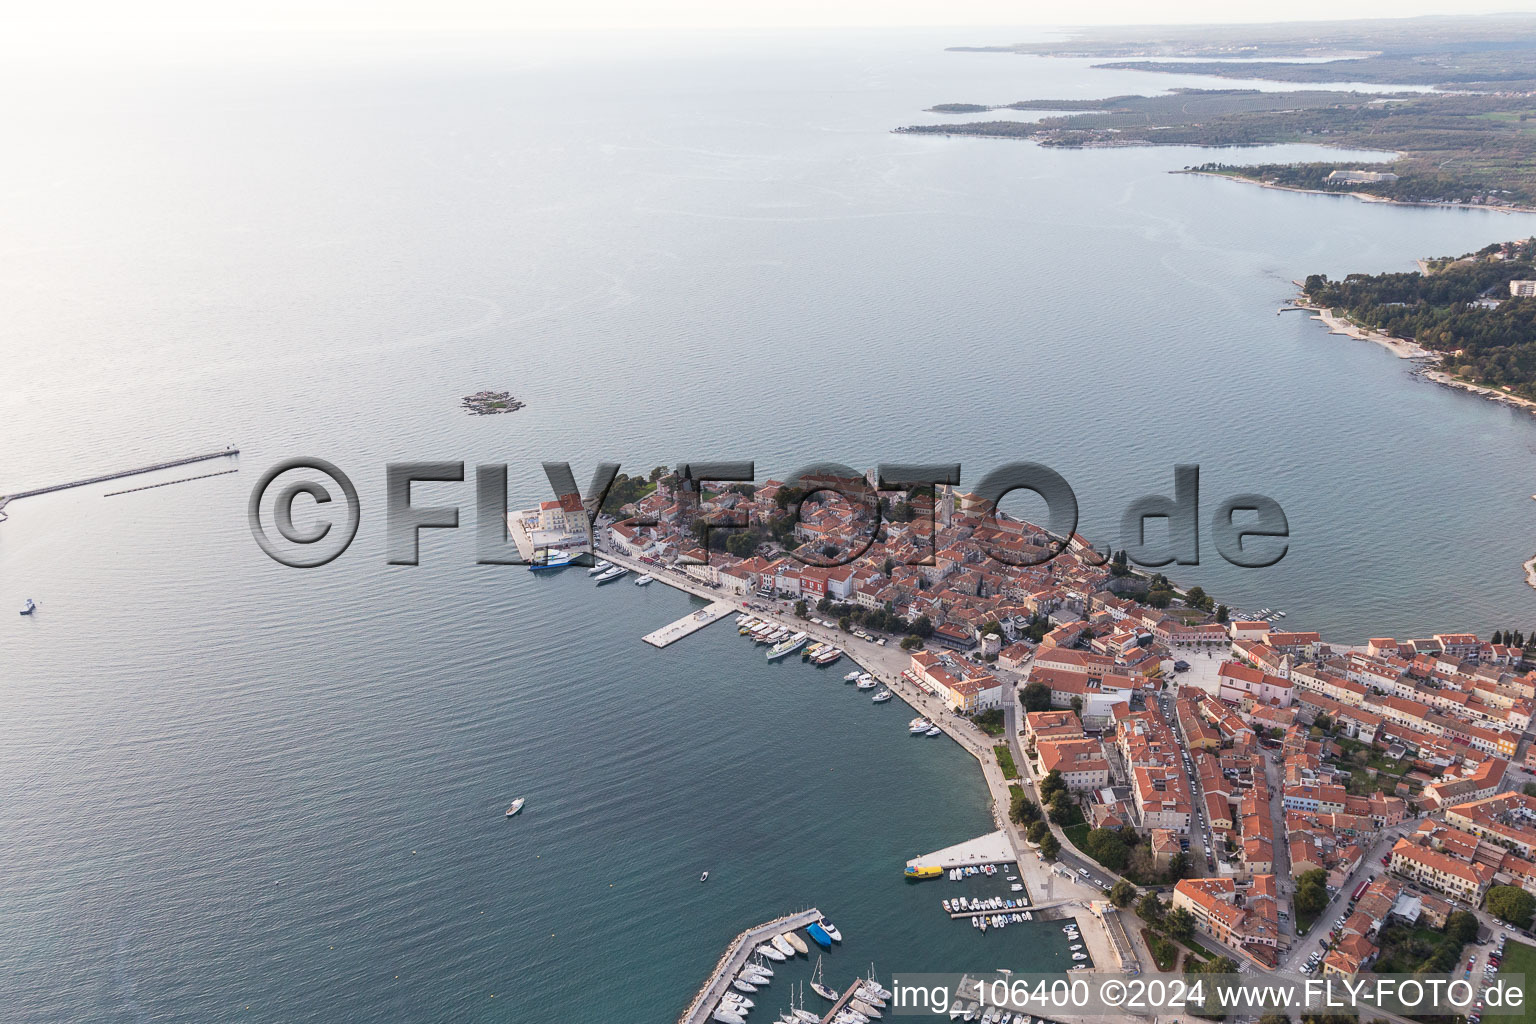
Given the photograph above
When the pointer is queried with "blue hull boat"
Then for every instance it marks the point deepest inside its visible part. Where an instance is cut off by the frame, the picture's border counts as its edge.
(819, 934)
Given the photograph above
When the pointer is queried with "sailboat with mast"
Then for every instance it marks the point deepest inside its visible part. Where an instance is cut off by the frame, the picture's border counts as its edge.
(819, 987)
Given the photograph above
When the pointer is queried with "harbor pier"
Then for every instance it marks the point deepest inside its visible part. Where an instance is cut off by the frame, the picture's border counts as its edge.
(690, 623)
(736, 955)
(103, 478)
(992, 848)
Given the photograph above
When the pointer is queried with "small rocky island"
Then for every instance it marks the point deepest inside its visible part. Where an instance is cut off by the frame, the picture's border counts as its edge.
(489, 403)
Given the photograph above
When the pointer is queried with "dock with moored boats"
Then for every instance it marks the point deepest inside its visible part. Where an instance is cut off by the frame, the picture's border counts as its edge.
(690, 624)
(735, 958)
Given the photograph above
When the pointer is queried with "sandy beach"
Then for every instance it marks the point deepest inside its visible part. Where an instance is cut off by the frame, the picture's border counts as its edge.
(1397, 346)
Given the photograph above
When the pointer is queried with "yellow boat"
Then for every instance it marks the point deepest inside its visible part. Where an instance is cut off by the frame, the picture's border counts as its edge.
(924, 871)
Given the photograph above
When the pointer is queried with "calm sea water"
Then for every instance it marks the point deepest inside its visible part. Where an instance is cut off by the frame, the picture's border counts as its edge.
(235, 791)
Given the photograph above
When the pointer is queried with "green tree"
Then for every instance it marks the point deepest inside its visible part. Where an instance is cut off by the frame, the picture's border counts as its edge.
(1179, 923)
(1077, 706)
(1222, 613)
(1149, 908)
(1063, 811)
(844, 623)
(1049, 847)
(1035, 697)
(1460, 928)
(1311, 892)
(1511, 903)
(1052, 784)
(1037, 831)
(1178, 865)
(910, 642)
(1105, 846)
(1122, 894)
(800, 609)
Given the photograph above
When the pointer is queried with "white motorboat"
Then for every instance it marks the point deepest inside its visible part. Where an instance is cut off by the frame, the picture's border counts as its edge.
(1075, 949)
(609, 575)
(645, 581)
(881, 697)
(743, 986)
(781, 944)
(725, 1016)
(797, 942)
(831, 930)
(866, 683)
(851, 676)
(517, 805)
(599, 567)
(29, 607)
(772, 954)
(934, 731)
(704, 877)
(1079, 956)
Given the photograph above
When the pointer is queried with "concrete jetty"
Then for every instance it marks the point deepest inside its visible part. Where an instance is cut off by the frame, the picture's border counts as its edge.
(992, 848)
(103, 478)
(842, 1001)
(690, 623)
(736, 955)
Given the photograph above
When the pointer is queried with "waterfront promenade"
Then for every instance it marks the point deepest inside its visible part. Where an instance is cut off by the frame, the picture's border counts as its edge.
(1056, 884)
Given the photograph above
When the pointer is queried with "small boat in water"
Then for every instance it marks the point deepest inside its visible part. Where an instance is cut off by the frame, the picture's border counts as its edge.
(781, 944)
(831, 930)
(818, 935)
(726, 1016)
(704, 877)
(1079, 956)
(517, 805)
(881, 697)
(743, 986)
(797, 942)
(1076, 949)
(609, 575)
(866, 682)
(599, 567)
(828, 656)
(772, 954)
(851, 676)
(29, 607)
(645, 581)
(918, 726)
(934, 731)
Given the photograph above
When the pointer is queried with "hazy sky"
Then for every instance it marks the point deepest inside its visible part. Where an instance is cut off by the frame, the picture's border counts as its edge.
(155, 16)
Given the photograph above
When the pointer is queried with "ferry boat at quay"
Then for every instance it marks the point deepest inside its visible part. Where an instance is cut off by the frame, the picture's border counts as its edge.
(552, 558)
(787, 647)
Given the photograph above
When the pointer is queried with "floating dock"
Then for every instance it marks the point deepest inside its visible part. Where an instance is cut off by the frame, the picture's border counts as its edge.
(736, 955)
(172, 464)
(992, 848)
(1047, 905)
(690, 623)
